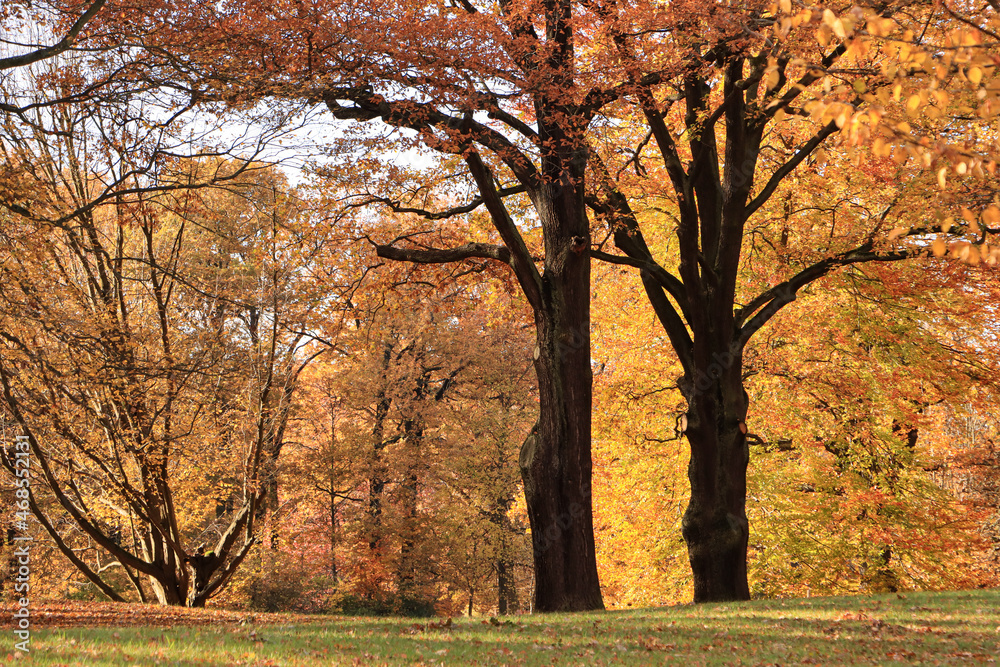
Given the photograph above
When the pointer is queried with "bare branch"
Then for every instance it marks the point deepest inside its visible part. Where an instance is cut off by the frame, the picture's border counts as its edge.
(64, 44)
(396, 207)
(444, 255)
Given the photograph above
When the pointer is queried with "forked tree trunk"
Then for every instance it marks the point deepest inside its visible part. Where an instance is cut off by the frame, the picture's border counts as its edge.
(715, 525)
(201, 567)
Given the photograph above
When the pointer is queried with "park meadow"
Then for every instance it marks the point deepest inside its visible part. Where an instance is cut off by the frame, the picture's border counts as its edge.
(961, 627)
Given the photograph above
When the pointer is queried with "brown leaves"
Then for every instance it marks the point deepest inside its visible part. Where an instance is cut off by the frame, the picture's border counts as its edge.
(100, 614)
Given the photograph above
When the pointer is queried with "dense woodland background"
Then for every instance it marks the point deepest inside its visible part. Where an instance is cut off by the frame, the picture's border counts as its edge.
(238, 390)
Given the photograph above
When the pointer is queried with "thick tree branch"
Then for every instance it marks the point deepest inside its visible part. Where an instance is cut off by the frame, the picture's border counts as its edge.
(742, 148)
(658, 283)
(422, 117)
(668, 149)
(444, 255)
(525, 44)
(787, 168)
(680, 338)
(63, 45)
(767, 304)
(663, 277)
(628, 235)
(516, 123)
(520, 259)
(227, 571)
(704, 171)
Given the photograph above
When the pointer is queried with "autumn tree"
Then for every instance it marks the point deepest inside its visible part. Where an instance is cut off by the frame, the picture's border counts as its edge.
(444, 98)
(492, 409)
(845, 495)
(849, 443)
(971, 470)
(841, 496)
(151, 350)
(730, 99)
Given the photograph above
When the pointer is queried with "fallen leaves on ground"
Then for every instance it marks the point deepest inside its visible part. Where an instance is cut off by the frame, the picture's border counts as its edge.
(111, 614)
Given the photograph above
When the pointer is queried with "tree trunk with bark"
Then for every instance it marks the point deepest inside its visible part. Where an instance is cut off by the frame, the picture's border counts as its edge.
(556, 469)
(507, 602)
(507, 599)
(715, 525)
(406, 571)
(378, 470)
(555, 459)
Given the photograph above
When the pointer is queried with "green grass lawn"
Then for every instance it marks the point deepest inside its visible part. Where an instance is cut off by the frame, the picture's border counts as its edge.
(914, 628)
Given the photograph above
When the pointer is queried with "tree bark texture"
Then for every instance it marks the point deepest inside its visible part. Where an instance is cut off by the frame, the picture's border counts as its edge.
(555, 460)
(715, 525)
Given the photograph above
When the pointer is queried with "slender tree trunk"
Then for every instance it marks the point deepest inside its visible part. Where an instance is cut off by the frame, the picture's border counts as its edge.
(406, 574)
(271, 503)
(378, 471)
(332, 481)
(715, 525)
(333, 538)
(507, 602)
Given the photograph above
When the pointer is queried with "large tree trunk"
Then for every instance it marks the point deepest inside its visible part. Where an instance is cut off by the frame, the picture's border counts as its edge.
(556, 469)
(715, 525)
(555, 459)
